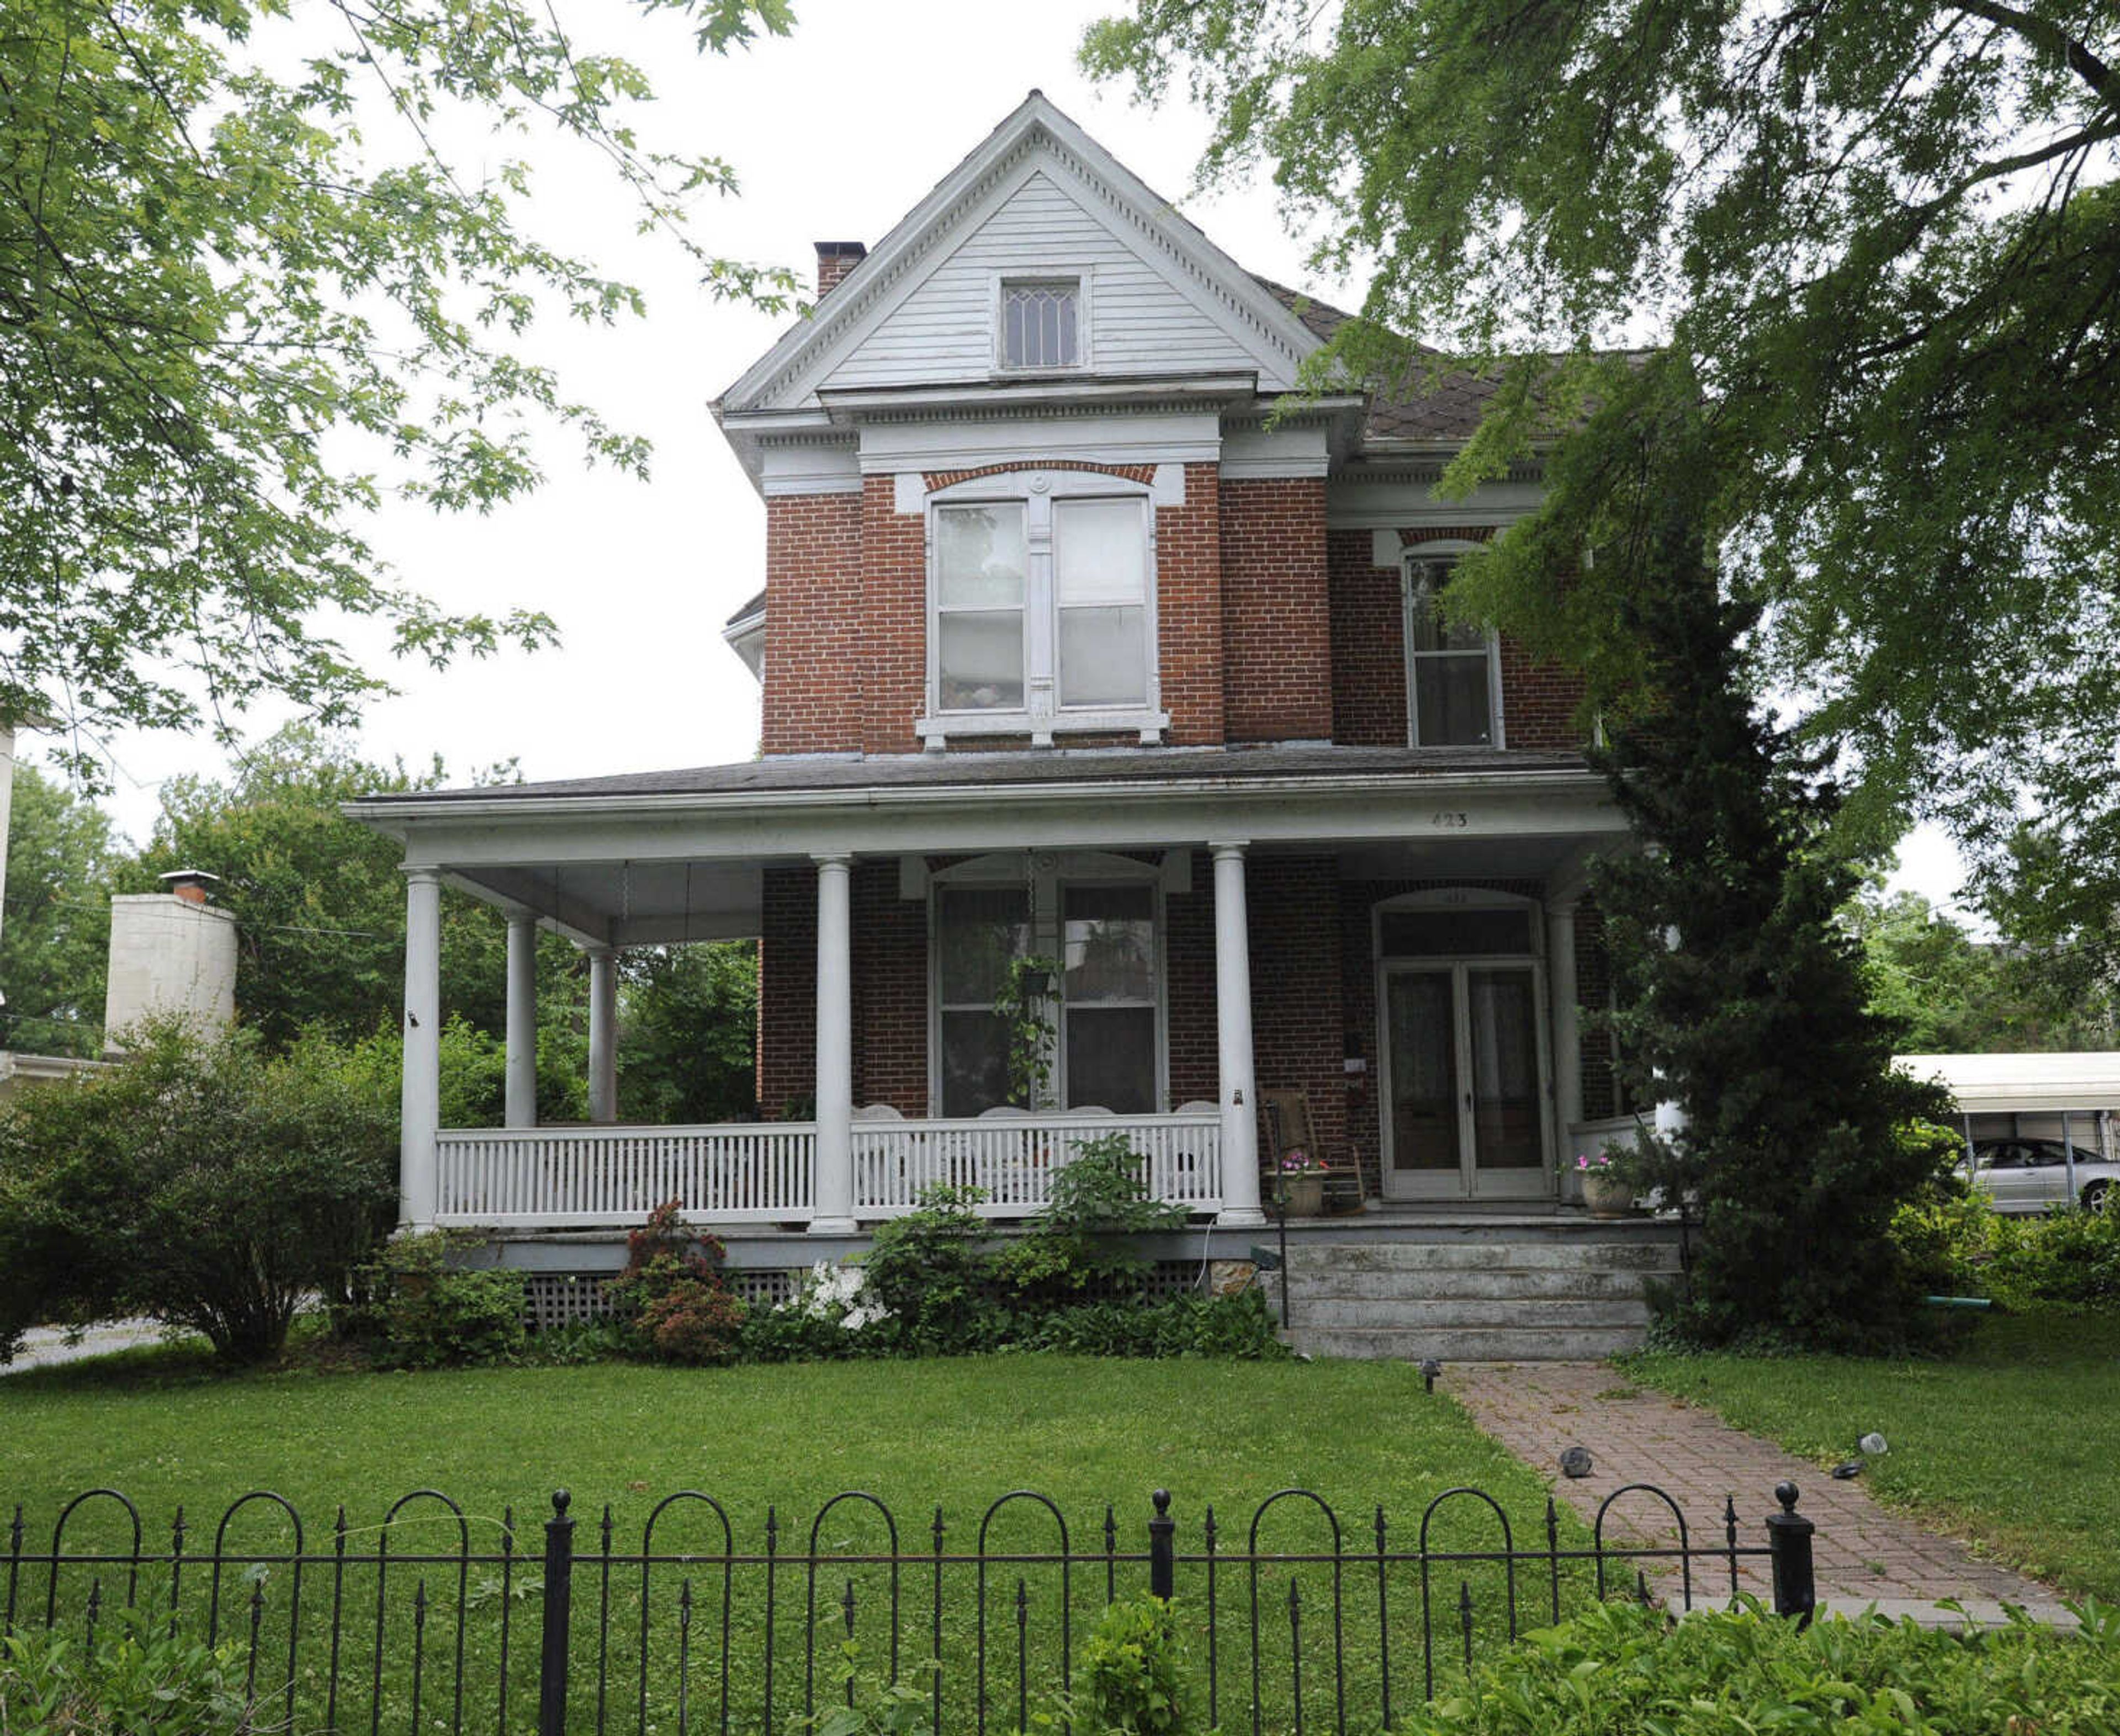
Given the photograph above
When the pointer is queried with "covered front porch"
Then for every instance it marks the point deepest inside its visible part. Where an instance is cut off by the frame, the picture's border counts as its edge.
(1390, 935)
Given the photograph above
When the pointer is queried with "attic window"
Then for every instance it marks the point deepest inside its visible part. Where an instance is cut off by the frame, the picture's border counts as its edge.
(1041, 323)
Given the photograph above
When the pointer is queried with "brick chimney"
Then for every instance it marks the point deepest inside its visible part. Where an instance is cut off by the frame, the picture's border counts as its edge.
(835, 260)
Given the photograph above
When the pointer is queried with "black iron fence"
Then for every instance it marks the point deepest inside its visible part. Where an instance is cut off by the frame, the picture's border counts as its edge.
(440, 1619)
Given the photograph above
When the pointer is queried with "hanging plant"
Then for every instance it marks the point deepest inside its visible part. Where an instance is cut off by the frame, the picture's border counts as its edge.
(1025, 1006)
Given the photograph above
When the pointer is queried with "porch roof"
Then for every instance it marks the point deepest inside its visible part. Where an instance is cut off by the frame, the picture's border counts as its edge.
(985, 770)
(680, 855)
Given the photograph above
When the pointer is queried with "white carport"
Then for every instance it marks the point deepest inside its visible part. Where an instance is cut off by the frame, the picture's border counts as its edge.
(2072, 1097)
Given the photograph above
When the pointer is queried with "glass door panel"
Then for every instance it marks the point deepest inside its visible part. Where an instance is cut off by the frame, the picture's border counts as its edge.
(1502, 1003)
(1426, 1152)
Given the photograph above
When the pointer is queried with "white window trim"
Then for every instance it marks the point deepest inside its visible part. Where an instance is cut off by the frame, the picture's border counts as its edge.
(1448, 547)
(1082, 276)
(1042, 717)
(1046, 874)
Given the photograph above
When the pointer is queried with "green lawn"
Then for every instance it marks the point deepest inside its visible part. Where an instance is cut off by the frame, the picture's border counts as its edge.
(2014, 1442)
(961, 1433)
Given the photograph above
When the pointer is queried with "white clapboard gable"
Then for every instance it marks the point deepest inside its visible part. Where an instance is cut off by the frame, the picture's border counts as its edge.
(1140, 322)
(1037, 197)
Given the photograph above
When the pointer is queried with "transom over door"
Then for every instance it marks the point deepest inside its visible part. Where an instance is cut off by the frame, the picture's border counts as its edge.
(1465, 1083)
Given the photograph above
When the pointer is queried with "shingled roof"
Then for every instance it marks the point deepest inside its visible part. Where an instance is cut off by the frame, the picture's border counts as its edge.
(1447, 406)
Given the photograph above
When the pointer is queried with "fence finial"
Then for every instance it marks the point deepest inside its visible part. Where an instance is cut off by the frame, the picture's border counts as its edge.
(1162, 1555)
(1788, 1539)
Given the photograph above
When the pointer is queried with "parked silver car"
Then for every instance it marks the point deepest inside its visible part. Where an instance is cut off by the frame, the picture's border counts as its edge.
(2034, 1175)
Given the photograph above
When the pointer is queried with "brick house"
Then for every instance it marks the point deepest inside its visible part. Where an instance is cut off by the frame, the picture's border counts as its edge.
(1070, 648)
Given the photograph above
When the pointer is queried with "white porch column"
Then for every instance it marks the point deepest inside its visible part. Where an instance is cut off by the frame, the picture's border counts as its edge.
(1561, 985)
(521, 1097)
(603, 1034)
(832, 1206)
(419, 1099)
(1236, 1089)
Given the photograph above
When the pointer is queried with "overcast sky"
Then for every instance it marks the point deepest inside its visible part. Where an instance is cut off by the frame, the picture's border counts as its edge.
(835, 131)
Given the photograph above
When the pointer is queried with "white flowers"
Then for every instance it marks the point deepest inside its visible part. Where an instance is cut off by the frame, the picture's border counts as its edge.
(838, 1293)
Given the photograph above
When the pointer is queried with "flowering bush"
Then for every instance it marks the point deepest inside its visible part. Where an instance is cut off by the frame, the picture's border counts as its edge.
(838, 1296)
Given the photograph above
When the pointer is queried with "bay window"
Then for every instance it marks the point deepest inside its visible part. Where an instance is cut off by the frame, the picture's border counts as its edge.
(1041, 608)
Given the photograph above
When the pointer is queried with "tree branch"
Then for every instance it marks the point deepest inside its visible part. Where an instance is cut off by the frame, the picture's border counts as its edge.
(2073, 53)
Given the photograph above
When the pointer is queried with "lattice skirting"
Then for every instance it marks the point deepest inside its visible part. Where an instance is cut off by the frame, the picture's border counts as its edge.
(562, 1298)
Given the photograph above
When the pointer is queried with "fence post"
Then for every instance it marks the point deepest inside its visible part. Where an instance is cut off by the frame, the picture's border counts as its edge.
(559, 1604)
(1788, 1540)
(1162, 1560)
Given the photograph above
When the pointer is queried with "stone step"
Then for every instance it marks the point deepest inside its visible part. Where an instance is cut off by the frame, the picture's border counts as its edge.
(1308, 1279)
(1643, 1255)
(1525, 1344)
(1621, 1313)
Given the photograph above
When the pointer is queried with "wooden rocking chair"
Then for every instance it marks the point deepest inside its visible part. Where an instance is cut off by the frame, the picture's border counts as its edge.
(1289, 1127)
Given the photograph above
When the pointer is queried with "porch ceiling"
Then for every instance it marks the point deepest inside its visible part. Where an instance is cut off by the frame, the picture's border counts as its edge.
(630, 903)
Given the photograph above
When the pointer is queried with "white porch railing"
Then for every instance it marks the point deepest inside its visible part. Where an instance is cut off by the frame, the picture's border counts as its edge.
(576, 1177)
(763, 1172)
(1013, 1159)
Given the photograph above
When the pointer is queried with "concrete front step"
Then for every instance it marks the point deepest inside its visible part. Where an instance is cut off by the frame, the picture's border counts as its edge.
(1540, 1298)
(1312, 1280)
(1525, 1344)
(1656, 1254)
(1621, 1314)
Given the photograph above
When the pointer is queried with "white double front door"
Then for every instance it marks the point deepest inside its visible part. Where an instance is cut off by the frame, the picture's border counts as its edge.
(1464, 1086)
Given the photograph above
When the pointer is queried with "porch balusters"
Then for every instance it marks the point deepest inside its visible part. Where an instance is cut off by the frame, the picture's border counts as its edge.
(834, 1187)
(419, 1099)
(1238, 1091)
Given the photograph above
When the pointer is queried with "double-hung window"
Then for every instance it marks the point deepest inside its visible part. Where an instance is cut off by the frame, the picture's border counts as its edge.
(1452, 668)
(1042, 607)
(1099, 918)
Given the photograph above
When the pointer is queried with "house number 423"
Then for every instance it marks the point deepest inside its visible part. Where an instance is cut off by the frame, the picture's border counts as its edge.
(1449, 821)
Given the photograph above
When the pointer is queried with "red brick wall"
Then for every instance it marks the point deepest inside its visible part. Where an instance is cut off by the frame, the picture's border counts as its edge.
(1276, 616)
(889, 991)
(1188, 593)
(1368, 645)
(788, 990)
(1188, 951)
(815, 648)
(1293, 906)
(893, 600)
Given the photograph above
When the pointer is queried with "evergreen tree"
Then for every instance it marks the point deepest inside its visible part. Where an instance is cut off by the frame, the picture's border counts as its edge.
(1741, 998)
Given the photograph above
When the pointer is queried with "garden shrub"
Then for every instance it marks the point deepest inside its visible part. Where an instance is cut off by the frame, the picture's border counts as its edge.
(835, 1314)
(1135, 1676)
(1621, 1668)
(932, 1271)
(670, 1300)
(1098, 1195)
(1238, 1327)
(138, 1681)
(426, 1313)
(2071, 1256)
(199, 1182)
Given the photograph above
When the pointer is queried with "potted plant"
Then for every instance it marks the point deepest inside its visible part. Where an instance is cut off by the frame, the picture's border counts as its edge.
(1302, 1183)
(1608, 1182)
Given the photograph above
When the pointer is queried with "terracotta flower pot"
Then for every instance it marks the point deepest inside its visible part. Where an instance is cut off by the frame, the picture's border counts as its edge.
(1607, 1197)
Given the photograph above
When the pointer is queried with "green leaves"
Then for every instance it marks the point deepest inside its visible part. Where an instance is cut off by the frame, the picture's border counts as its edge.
(1880, 243)
(231, 323)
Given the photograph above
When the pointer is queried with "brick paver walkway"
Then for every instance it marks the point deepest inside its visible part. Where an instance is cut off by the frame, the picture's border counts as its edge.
(1863, 1554)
